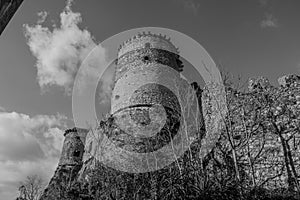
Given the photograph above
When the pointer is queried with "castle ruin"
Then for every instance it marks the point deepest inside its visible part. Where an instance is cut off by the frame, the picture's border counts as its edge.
(149, 90)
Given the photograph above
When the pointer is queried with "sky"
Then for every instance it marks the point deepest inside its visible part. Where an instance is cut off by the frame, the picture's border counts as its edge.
(44, 44)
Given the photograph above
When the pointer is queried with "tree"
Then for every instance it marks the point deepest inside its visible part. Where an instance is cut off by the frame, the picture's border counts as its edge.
(281, 114)
(268, 125)
(31, 188)
(258, 144)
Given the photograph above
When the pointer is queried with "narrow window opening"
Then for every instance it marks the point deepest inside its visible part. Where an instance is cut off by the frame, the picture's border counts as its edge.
(90, 147)
(76, 153)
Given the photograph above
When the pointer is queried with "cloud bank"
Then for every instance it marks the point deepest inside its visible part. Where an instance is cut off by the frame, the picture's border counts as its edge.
(28, 145)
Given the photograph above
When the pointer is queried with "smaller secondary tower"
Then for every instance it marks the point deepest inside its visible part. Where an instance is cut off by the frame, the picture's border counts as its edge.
(73, 147)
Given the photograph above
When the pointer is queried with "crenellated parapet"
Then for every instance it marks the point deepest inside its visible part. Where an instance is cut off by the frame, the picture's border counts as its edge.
(144, 49)
(141, 39)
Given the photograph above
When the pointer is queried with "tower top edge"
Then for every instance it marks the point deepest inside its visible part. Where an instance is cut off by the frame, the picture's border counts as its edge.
(139, 40)
(76, 130)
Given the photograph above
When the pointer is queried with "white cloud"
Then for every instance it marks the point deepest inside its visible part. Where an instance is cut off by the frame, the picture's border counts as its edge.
(61, 51)
(42, 17)
(28, 145)
(190, 5)
(263, 3)
(269, 21)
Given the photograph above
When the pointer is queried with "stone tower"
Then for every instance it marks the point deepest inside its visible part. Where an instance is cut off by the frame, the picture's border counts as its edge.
(69, 164)
(148, 103)
(73, 147)
(148, 66)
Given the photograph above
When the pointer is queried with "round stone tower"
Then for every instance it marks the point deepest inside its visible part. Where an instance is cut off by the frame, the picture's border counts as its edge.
(143, 59)
(73, 147)
(153, 109)
(147, 68)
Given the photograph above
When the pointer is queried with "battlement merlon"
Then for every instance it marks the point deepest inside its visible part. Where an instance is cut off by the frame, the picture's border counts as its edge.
(81, 131)
(139, 41)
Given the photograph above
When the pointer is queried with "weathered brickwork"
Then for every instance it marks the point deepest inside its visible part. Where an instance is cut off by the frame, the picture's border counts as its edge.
(146, 55)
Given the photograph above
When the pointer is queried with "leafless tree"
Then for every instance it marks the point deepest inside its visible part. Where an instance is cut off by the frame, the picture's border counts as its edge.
(31, 188)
